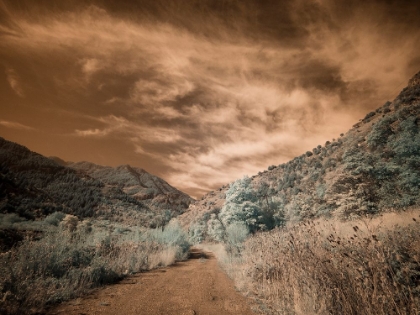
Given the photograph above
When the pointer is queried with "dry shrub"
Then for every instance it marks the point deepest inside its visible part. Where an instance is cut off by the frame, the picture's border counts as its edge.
(162, 258)
(314, 268)
(69, 262)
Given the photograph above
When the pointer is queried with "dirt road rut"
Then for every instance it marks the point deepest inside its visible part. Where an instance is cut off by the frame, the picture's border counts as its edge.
(194, 287)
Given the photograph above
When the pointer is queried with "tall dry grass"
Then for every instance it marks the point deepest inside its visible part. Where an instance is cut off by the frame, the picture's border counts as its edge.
(76, 257)
(332, 268)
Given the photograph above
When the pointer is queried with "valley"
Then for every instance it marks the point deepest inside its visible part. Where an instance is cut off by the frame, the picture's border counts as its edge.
(333, 231)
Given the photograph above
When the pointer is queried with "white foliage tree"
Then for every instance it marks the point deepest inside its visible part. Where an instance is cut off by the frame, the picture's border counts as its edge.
(215, 228)
(242, 205)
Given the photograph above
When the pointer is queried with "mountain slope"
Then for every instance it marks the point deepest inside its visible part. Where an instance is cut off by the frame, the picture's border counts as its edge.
(374, 167)
(34, 186)
(138, 184)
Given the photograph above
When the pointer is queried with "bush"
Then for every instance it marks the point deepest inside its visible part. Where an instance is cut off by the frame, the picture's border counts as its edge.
(215, 229)
(66, 263)
(196, 232)
(172, 235)
(55, 218)
(236, 234)
(382, 132)
(369, 115)
(8, 220)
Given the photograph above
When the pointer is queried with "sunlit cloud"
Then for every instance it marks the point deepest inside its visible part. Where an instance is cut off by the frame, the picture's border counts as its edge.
(152, 93)
(210, 94)
(92, 132)
(90, 66)
(14, 81)
(136, 132)
(15, 125)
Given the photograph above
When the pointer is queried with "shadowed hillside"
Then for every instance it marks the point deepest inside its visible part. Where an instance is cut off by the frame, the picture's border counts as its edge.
(65, 230)
(34, 186)
(374, 167)
(139, 185)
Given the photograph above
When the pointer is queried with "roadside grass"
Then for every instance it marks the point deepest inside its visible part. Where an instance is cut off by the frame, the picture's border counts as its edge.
(332, 267)
(76, 256)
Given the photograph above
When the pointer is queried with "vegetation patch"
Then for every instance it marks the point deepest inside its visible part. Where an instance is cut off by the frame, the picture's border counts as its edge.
(331, 267)
(77, 256)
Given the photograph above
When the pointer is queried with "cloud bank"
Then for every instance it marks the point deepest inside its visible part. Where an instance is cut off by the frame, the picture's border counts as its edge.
(203, 92)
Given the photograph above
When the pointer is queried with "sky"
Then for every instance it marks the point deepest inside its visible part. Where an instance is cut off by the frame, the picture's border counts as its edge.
(197, 92)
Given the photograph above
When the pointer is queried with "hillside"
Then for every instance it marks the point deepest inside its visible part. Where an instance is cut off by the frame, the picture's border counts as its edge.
(137, 184)
(34, 186)
(374, 167)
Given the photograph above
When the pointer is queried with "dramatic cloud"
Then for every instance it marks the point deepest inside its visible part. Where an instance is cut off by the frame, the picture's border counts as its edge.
(14, 125)
(13, 79)
(202, 92)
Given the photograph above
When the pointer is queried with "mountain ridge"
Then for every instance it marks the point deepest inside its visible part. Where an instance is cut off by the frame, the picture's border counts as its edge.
(34, 186)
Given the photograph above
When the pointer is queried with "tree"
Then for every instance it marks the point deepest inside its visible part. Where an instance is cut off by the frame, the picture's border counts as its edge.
(241, 205)
(215, 228)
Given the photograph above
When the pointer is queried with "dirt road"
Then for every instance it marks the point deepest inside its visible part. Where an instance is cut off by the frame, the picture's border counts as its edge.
(193, 287)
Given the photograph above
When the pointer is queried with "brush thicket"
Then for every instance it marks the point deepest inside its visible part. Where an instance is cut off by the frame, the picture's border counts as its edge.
(314, 268)
(74, 258)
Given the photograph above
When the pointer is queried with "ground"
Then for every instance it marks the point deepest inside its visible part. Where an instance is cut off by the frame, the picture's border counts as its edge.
(194, 287)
